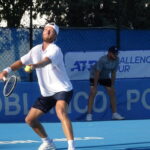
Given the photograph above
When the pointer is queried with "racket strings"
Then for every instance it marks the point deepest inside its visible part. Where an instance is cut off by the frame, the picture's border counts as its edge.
(9, 85)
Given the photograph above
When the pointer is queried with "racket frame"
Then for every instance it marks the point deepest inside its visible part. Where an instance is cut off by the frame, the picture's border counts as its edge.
(6, 80)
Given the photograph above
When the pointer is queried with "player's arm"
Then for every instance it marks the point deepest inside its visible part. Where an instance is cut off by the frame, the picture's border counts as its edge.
(41, 63)
(113, 77)
(98, 69)
(15, 66)
(113, 73)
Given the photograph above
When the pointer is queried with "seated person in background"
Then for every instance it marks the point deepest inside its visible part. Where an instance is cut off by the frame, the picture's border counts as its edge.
(104, 73)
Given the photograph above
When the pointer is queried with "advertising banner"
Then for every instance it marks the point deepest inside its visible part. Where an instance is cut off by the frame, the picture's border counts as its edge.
(132, 101)
(133, 64)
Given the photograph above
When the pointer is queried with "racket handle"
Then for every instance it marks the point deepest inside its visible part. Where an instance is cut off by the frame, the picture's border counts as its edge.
(4, 79)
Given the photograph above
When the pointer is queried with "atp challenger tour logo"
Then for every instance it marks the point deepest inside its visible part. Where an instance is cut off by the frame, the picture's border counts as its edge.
(131, 64)
(82, 65)
(78, 64)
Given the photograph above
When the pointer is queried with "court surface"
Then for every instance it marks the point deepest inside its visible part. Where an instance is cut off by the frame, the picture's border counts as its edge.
(99, 135)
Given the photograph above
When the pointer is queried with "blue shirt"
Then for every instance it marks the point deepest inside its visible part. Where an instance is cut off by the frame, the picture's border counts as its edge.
(105, 66)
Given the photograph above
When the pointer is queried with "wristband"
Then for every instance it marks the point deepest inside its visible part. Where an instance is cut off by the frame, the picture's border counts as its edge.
(8, 69)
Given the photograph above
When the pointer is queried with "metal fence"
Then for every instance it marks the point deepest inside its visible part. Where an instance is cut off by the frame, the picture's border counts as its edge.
(15, 42)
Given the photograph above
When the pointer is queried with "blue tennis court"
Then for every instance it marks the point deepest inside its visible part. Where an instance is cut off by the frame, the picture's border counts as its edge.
(100, 135)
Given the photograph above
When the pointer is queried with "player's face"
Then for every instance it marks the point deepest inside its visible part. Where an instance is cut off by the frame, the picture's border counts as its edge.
(113, 56)
(49, 34)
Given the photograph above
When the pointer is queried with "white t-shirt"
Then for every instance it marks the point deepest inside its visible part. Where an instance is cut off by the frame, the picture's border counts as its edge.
(53, 77)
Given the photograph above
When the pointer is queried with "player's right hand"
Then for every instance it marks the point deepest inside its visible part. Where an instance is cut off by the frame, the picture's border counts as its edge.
(3, 75)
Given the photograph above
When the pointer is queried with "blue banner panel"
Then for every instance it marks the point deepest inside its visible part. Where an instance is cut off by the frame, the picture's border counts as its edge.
(133, 101)
(135, 39)
(131, 64)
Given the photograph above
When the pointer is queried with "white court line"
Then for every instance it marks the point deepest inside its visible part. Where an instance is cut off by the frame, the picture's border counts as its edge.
(56, 140)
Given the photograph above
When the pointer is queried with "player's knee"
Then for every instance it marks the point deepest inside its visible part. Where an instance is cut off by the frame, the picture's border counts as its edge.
(93, 92)
(29, 121)
(111, 91)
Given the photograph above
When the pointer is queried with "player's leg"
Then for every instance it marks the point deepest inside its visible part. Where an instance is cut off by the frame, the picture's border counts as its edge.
(111, 93)
(112, 96)
(91, 97)
(92, 94)
(32, 120)
(62, 113)
(40, 107)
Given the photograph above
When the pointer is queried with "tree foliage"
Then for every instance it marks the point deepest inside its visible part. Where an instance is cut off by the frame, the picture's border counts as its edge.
(12, 11)
(133, 14)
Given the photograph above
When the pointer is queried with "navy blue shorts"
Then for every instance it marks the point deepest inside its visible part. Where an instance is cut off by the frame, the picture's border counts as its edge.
(104, 82)
(46, 103)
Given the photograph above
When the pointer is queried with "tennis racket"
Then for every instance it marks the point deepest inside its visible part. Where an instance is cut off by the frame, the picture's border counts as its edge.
(10, 84)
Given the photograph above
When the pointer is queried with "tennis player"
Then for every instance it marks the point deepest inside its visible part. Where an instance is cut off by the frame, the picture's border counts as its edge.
(104, 73)
(55, 86)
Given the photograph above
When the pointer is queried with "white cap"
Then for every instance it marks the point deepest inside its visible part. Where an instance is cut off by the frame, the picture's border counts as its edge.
(54, 26)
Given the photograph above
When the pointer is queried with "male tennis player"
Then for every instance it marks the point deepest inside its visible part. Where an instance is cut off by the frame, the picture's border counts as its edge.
(104, 73)
(55, 86)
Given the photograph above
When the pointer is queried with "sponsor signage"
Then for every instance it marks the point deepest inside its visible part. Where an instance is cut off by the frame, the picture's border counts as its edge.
(133, 64)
